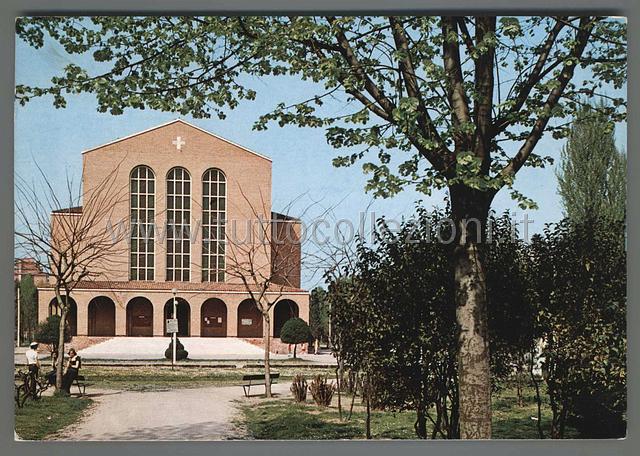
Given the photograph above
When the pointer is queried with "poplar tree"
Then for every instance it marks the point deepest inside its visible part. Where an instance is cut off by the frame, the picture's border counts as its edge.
(592, 173)
(28, 305)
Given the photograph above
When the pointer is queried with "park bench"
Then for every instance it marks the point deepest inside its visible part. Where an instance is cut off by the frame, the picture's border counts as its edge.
(81, 383)
(256, 380)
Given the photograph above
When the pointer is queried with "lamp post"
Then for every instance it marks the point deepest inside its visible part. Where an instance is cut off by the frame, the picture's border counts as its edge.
(174, 335)
(19, 329)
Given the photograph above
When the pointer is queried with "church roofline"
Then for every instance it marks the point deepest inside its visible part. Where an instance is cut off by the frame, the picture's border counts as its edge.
(169, 123)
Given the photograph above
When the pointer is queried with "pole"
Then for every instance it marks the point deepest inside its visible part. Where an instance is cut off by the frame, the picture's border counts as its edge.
(175, 315)
(18, 335)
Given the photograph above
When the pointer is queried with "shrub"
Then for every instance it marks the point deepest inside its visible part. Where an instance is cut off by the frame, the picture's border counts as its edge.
(181, 353)
(299, 388)
(295, 331)
(47, 333)
(321, 390)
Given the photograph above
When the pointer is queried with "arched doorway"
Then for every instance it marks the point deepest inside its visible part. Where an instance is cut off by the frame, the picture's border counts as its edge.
(213, 321)
(184, 316)
(102, 317)
(140, 317)
(72, 313)
(283, 311)
(249, 319)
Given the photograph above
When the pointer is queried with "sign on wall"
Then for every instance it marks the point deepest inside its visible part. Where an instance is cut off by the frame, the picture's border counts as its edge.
(246, 322)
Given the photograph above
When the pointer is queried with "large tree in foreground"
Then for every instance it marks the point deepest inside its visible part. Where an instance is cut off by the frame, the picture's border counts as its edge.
(455, 103)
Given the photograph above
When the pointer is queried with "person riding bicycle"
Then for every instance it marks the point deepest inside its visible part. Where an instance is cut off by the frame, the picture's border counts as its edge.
(33, 364)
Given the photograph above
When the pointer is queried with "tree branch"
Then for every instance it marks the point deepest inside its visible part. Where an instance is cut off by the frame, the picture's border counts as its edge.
(582, 38)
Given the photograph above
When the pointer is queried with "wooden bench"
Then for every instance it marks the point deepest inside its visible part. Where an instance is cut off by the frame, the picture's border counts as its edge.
(81, 383)
(256, 380)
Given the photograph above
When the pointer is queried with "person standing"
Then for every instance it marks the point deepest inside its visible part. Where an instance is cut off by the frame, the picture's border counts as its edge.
(73, 367)
(33, 365)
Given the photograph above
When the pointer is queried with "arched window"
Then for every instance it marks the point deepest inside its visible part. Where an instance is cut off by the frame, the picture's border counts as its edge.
(142, 191)
(213, 225)
(178, 224)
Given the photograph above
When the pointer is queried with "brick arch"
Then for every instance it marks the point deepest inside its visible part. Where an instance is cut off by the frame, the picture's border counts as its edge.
(283, 311)
(213, 318)
(72, 313)
(102, 317)
(139, 317)
(249, 314)
(184, 316)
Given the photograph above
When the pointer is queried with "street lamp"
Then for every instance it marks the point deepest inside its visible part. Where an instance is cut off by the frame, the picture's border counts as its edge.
(175, 317)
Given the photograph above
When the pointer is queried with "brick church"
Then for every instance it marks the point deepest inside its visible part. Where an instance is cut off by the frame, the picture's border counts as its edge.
(177, 171)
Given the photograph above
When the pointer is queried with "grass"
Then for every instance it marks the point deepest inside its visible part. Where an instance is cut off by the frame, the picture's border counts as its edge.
(287, 420)
(42, 418)
(154, 378)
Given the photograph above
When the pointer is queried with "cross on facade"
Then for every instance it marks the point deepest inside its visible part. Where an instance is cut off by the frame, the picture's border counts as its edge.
(178, 142)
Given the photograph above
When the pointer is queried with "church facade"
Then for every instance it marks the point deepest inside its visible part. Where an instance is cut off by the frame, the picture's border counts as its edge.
(185, 190)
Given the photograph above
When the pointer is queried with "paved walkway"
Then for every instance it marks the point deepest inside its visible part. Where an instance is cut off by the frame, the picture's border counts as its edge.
(179, 414)
(199, 348)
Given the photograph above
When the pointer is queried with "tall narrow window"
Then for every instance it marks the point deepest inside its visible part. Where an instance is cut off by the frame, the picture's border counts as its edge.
(213, 225)
(178, 224)
(142, 192)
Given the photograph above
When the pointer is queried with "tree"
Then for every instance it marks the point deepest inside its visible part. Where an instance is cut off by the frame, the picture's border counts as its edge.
(69, 242)
(579, 275)
(295, 331)
(462, 102)
(319, 315)
(399, 325)
(592, 174)
(28, 305)
(263, 261)
(47, 333)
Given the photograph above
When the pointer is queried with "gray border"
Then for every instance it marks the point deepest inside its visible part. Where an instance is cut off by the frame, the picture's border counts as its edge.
(10, 9)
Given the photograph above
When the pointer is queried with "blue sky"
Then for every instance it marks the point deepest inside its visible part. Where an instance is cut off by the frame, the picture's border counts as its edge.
(301, 157)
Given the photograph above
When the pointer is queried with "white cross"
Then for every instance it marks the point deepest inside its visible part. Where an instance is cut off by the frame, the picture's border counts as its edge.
(178, 142)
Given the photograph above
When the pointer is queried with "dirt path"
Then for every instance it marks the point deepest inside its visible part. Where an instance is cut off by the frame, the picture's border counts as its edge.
(178, 414)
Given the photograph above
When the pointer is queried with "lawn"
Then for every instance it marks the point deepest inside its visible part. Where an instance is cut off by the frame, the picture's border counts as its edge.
(150, 378)
(44, 417)
(287, 420)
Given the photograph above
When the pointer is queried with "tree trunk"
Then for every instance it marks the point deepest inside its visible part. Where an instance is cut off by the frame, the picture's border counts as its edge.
(421, 423)
(470, 211)
(339, 388)
(59, 362)
(266, 336)
(368, 418)
(295, 346)
(60, 354)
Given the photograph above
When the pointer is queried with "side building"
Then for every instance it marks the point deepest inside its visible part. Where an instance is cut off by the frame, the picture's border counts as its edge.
(178, 178)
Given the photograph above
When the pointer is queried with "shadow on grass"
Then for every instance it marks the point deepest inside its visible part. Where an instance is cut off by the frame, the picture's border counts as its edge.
(40, 419)
(274, 421)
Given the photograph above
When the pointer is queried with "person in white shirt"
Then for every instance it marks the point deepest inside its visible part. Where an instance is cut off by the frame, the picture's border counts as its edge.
(33, 364)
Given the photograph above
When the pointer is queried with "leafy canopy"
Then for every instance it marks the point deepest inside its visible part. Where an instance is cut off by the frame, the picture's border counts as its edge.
(295, 331)
(47, 332)
(446, 97)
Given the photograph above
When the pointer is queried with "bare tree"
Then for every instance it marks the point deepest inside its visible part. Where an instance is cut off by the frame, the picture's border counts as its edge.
(267, 262)
(71, 237)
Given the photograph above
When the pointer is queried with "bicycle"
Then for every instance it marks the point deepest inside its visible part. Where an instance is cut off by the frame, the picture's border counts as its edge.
(28, 386)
